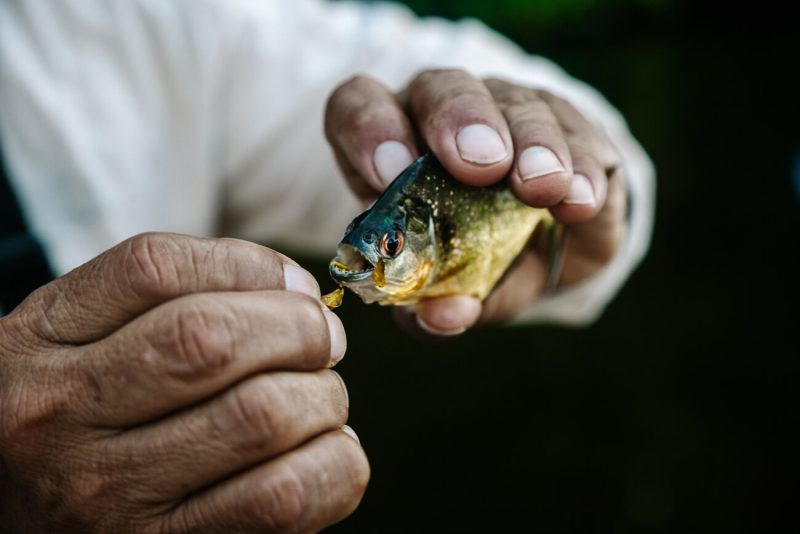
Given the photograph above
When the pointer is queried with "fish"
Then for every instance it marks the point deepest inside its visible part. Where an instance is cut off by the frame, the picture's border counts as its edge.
(429, 235)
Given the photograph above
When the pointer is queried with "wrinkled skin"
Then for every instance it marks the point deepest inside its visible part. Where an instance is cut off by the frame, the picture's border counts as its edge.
(176, 384)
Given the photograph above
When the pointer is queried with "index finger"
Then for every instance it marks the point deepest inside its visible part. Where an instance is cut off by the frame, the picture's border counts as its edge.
(458, 117)
(371, 137)
(144, 271)
(190, 348)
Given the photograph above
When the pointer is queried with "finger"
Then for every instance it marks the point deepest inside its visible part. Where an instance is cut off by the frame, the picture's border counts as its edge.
(587, 191)
(190, 348)
(97, 298)
(593, 159)
(304, 490)
(542, 171)
(258, 419)
(521, 286)
(462, 125)
(370, 134)
(447, 316)
(592, 245)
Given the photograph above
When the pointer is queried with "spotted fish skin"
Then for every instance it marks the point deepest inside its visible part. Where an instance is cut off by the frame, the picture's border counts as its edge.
(453, 239)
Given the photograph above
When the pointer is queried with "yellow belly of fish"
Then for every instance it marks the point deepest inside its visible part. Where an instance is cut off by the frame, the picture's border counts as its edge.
(475, 267)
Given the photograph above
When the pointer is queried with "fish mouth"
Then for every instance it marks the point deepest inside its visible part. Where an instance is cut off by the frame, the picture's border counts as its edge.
(350, 265)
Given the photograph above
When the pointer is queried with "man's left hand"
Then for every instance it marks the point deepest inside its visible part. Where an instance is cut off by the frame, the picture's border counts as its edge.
(484, 131)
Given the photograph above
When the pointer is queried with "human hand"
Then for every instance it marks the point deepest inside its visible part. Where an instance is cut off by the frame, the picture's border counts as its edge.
(482, 132)
(176, 384)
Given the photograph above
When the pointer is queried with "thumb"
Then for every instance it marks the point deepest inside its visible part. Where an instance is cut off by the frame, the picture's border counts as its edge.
(443, 316)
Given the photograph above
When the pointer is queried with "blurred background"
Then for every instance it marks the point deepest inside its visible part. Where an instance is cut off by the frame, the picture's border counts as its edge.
(673, 412)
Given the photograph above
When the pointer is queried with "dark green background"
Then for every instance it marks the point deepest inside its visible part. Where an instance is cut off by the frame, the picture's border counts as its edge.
(672, 413)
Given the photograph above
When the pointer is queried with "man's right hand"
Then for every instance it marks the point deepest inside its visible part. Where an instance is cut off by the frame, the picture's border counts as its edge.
(176, 384)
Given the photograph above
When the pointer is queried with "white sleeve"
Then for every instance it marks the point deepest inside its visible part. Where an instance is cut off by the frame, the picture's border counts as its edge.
(283, 185)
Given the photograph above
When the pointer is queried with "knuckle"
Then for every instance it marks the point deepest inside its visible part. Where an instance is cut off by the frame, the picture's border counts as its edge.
(532, 112)
(361, 121)
(84, 494)
(11, 329)
(429, 77)
(513, 99)
(41, 317)
(556, 103)
(529, 128)
(27, 410)
(421, 80)
(355, 109)
(461, 107)
(149, 263)
(258, 407)
(466, 100)
(283, 501)
(373, 122)
(199, 342)
(584, 152)
(497, 83)
(344, 93)
(515, 104)
(357, 83)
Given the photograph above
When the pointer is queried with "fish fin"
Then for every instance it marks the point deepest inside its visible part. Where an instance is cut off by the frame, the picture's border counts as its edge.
(556, 247)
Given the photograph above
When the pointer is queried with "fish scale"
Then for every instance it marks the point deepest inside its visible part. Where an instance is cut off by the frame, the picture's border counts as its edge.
(450, 239)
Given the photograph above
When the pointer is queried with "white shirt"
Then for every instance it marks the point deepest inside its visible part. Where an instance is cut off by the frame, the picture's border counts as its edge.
(205, 117)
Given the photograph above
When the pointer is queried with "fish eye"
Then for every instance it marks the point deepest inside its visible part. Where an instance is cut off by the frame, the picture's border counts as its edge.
(392, 244)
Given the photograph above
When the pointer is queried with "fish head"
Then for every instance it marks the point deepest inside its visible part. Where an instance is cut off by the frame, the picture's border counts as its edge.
(388, 253)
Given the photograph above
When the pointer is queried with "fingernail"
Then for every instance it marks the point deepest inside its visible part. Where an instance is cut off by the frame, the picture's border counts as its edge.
(391, 158)
(580, 191)
(435, 331)
(299, 280)
(337, 335)
(344, 389)
(350, 432)
(538, 161)
(481, 144)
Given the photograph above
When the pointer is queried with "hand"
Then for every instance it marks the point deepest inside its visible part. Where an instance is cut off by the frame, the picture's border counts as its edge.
(176, 384)
(483, 132)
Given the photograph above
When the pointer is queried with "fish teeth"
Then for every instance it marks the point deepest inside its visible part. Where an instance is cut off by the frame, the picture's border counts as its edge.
(364, 270)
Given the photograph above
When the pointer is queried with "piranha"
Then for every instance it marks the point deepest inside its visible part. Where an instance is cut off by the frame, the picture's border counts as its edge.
(429, 235)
